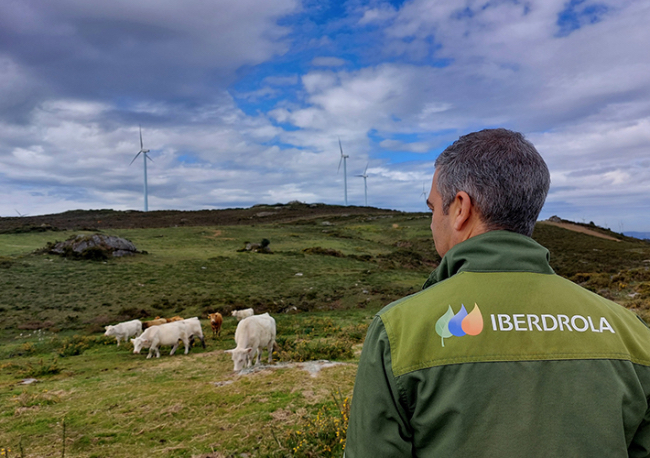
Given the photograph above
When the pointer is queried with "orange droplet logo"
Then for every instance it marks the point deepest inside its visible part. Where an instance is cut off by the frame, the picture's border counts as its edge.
(473, 323)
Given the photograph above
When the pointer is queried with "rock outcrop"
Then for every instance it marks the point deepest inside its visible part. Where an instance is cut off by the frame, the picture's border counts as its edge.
(95, 246)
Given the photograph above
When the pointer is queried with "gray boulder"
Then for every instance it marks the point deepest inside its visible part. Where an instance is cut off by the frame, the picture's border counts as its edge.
(94, 246)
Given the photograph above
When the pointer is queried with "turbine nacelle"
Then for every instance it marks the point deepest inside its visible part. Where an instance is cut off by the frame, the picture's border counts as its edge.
(364, 175)
(424, 193)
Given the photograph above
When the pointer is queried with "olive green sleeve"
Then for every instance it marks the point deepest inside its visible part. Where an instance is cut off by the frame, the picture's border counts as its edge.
(378, 424)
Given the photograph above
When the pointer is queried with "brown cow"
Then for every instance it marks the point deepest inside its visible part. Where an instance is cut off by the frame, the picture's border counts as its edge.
(175, 318)
(158, 321)
(216, 320)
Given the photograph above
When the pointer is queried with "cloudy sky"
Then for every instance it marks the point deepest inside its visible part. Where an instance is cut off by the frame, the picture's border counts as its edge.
(244, 102)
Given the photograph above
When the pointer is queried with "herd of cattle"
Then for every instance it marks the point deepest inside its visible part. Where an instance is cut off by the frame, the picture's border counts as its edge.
(253, 333)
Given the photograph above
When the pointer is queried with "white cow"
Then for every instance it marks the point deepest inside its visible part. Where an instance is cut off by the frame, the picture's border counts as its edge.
(165, 334)
(194, 329)
(241, 314)
(122, 331)
(252, 335)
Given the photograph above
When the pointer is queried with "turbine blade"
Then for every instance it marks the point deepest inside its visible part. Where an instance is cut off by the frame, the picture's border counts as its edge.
(340, 147)
(141, 146)
(147, 156)
(366, 169)
(339, 169)
(136, 156)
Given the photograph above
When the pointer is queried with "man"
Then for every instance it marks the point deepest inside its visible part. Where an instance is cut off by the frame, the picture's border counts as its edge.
(498, 356)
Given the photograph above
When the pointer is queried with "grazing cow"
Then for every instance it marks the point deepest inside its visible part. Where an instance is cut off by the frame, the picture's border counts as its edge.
(252, 335)
(157, 322)
(241, 314)
(164, 334)
(216, 320)
(122, 331)
(194, 329)
(175, 318)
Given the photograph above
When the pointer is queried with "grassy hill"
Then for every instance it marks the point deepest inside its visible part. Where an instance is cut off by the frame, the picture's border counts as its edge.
(331, 268)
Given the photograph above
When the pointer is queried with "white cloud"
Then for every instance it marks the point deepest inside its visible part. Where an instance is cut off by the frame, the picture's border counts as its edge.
(377, 15)
(77, 77)
(413, 147)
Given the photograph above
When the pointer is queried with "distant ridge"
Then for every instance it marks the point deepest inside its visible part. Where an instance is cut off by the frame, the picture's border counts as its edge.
(638, 235)
(594, 230)
(93, 220)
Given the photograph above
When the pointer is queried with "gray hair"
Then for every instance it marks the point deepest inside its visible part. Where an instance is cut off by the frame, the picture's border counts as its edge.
(502, 172)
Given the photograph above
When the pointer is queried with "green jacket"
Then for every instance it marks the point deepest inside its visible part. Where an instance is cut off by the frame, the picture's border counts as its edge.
(500, 357)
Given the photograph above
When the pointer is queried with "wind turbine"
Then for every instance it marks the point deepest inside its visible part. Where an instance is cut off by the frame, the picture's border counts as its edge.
(424, 193)
(365, 185)
(144, 157)
(345, 172)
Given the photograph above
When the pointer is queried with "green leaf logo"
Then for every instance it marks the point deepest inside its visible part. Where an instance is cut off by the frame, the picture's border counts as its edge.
(442, 325)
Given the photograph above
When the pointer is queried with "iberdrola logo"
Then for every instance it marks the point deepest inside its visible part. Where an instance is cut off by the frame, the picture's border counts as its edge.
(461, 323)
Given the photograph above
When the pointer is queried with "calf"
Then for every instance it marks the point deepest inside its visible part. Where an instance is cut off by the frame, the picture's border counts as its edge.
(216, 320)
(175, 318)
(252, 335)
(164, 334)
(241, 314)
(194, 329)
(124, 330)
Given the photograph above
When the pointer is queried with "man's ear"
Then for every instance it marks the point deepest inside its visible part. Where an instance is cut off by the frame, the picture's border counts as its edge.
(462, 208)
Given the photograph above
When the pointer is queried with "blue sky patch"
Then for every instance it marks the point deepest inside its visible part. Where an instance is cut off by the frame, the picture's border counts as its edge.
(579, 13)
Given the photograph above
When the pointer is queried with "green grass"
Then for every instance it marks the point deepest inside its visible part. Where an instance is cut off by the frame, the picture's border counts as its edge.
(192, 271)
(119, 404)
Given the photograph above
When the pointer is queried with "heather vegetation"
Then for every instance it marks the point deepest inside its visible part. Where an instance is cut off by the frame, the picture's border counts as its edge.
(325, 277)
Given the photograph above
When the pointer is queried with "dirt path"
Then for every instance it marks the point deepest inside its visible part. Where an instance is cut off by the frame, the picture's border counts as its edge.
(584, 230)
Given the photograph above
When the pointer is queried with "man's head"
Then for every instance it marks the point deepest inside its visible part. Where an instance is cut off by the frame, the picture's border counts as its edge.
(497, 176)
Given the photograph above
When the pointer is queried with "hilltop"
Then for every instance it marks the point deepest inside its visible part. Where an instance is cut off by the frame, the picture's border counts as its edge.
(132, 219)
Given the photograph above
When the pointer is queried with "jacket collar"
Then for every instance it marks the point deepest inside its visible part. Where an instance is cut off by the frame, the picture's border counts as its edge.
(494, 251)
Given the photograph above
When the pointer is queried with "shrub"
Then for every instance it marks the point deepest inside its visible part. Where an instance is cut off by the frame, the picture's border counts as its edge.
(27, 348)
(320, 436)
(43, 368)
(643, 289)
(592, 281)
(76, 345)
(308, 350)
(356, 333)
(632, 275)
(323, 251)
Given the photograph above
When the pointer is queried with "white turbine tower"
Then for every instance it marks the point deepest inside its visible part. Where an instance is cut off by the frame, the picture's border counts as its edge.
(345, 172)
(365, 185)
(144, 157)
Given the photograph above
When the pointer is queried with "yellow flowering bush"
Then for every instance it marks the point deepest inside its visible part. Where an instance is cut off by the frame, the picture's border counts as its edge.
(322, 435)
